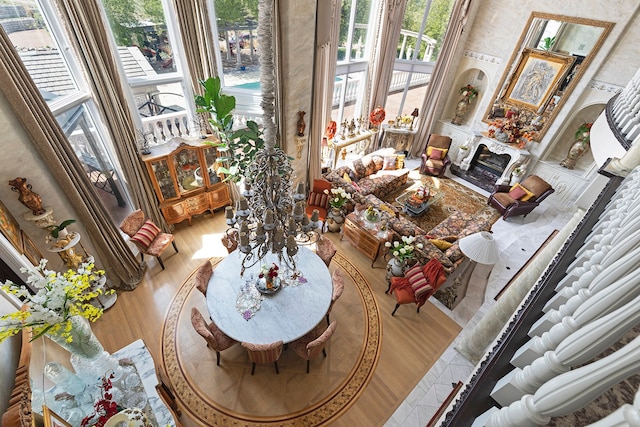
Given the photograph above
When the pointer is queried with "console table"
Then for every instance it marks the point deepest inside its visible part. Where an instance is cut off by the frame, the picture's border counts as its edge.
(401, 138)
(337, 144)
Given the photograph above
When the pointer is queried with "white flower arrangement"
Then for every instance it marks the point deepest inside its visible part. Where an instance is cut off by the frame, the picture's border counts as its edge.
(338, 197)
(404, 250)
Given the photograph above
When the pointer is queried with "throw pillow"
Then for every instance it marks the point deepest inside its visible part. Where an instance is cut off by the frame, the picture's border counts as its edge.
(318, 199)
(146, 234)
(417, 280)
(430, 150)
(443, 245)
(346, 177)
(389, 163)
(436, 154)
(518, 192)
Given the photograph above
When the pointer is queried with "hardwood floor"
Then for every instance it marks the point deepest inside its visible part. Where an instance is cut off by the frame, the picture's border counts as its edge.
(412, 341)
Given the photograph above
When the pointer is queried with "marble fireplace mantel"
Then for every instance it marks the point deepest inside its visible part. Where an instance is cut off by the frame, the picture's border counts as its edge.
(518, 156)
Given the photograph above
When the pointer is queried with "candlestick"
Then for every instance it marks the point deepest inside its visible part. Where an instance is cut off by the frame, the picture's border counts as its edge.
(244, 239)
(268, 217)
(292, 226)
(315, 215)
(298, 210)
(228, 212)
(243, 204)
(300, 189)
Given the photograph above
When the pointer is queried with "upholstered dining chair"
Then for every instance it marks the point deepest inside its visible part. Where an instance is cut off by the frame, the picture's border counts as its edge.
(319, 200)
(230, 240)
(520, 199)
(418, 284)
(309, 346)
(337, 281)
(325, 249)
(264, 354)
(435, 159)
(147, 236)
(203, 275)
(216, 339)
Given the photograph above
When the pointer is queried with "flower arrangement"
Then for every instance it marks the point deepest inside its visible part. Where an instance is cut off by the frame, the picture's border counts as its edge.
(269, 273)
(404, 250)
(59, 297)
(338, 197)
(515, 128)
(104, 408)
(583, 133)
(468, 91)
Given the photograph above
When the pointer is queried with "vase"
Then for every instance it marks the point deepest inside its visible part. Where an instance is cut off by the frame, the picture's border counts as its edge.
(395, 268)
(577, 150)
(461, 110)
(88, 357)
(502, 136)
(335, 218)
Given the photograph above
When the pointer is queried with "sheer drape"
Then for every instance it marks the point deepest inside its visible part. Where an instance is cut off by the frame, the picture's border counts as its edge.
(456, 27)
(324, 80)
(381, 69)
(122, 267)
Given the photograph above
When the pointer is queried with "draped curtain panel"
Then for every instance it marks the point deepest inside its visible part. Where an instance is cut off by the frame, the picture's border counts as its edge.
(457, 24)
(381, 69)
(122, 267)
(322, 98)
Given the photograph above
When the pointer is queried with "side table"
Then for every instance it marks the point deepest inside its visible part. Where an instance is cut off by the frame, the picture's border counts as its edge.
(401, 138)
(369, 241)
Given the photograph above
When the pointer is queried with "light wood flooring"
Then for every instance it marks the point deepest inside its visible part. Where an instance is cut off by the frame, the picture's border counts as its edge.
(411, 343)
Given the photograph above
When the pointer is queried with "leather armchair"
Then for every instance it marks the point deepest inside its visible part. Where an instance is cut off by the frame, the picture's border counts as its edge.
(507, 202)
(435, 159)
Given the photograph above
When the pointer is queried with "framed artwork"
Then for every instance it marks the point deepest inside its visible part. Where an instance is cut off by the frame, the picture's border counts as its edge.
(10, 228)
(536, 78)
(51, 419)
(30, 250)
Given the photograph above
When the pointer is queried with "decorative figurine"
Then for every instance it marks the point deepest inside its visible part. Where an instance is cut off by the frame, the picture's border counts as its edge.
(301, 123)
(331, 130)
(29, 198)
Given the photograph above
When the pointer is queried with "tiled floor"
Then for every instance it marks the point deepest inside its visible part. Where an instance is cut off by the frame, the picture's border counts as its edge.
(518, 239)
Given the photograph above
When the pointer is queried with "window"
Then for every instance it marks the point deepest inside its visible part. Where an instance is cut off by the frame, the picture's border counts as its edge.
(423, 28)
(33, 28)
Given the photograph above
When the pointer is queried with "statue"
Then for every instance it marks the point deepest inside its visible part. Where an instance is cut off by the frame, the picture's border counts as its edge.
(301, 123)
(29, 198)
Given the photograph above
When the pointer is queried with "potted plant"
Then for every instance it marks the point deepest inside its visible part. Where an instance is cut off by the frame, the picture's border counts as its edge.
(60, 230)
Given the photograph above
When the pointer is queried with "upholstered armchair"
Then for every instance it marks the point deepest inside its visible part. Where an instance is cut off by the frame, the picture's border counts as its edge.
(319, 200)
(521, 198)
(418, 284)
(337, 281)
(325, 249)
(264, 354)
(435, 159)
(216, 339)
(309, 346)
(203, 275)
(147, 236)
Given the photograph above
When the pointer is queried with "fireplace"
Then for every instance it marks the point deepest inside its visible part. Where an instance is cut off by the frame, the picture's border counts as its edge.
(491, 162)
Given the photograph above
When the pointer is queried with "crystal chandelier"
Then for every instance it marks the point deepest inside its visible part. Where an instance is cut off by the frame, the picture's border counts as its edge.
(270, 216)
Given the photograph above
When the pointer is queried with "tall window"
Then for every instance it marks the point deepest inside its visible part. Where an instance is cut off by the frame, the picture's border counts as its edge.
(147, 51)
(33, 28)
(423, 28)
(354, 50)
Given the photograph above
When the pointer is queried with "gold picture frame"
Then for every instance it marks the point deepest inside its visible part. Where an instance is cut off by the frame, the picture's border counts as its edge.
(536, 78)
(51, 419)
(30, 250)
(10, 228)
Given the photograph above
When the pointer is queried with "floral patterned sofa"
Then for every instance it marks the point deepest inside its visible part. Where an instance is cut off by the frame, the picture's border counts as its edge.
(368, 175)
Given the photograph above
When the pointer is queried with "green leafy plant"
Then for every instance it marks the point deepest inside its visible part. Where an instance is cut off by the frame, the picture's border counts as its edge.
(547, 43)
(218, 105)
(56, 229)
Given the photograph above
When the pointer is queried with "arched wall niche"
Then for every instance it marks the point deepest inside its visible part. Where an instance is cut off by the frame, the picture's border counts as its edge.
(478, 79)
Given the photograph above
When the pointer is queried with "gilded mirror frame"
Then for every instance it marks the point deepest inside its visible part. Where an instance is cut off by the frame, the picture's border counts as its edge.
(519, 57)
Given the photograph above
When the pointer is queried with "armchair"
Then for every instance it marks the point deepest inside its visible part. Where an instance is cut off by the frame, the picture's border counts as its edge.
(319, 200)
(521, 198)
(147, 236)
(418, 284)
(435, 159)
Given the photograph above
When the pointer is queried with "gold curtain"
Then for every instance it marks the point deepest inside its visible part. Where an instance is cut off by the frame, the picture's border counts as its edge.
(122, 267)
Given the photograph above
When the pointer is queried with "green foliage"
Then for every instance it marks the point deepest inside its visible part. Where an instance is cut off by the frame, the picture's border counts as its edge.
(243, 145)
(547, 43)
(56, 229)
(236, 12)
(217, 104)
(125, 19)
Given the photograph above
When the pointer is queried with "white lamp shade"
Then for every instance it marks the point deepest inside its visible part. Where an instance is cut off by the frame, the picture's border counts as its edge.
(480, 247)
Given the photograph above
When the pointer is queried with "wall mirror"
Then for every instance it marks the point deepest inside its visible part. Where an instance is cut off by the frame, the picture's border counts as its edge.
(552, 54)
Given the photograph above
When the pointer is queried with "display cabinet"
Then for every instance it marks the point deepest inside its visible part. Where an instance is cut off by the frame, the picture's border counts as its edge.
(186, 179)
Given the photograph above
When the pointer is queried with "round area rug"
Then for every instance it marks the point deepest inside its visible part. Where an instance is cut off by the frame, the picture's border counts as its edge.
(229, 395)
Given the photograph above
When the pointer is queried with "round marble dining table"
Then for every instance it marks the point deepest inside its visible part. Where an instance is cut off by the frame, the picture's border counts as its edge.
(288, 314)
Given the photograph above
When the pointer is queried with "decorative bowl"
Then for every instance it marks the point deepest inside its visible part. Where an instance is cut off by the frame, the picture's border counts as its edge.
(261, 286)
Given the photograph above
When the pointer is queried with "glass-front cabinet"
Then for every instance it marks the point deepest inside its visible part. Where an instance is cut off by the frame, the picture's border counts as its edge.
(183, 190)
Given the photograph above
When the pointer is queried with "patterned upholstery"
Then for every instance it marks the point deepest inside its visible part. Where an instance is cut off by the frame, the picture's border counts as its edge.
(309, 346)
(215, 338)
(263, 354)
(135, 223)
(203, 275)
(318, 200)
(325, 249)
(337, 282)
(230, 240)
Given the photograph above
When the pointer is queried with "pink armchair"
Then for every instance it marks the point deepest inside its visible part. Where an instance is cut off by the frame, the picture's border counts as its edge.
(309, 346)
(215, 338)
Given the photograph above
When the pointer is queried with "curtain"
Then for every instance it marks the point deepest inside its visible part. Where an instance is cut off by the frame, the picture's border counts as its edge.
(381, 69)
(457, 24)
(323, 82)
(121, 266)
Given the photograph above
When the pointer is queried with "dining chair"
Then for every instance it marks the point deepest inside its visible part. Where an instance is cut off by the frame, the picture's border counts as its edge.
(147, 236)
(264, 354)
(337, 281)
(230, 240)
(215, 338)
(203, 275)
(325, 249)
(309, 346)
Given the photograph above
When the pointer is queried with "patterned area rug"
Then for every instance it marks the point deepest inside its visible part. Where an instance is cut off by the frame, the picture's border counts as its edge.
(457, 197)
(229, 395)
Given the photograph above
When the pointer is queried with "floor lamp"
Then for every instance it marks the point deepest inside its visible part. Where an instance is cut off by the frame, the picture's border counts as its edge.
(478, 248)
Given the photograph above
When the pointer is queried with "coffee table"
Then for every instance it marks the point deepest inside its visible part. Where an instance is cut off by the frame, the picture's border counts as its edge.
(416, 210)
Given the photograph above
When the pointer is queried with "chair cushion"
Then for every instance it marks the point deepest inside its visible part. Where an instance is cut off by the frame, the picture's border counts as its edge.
(418, 282)
(132, 222)
(519, 192)
(318, 199)
(160, 243)
(146, 234)
(436, 153)
(390, 163)
(536, 185)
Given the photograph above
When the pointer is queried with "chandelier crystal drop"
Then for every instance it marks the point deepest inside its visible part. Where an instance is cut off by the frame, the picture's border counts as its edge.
(270, 217)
